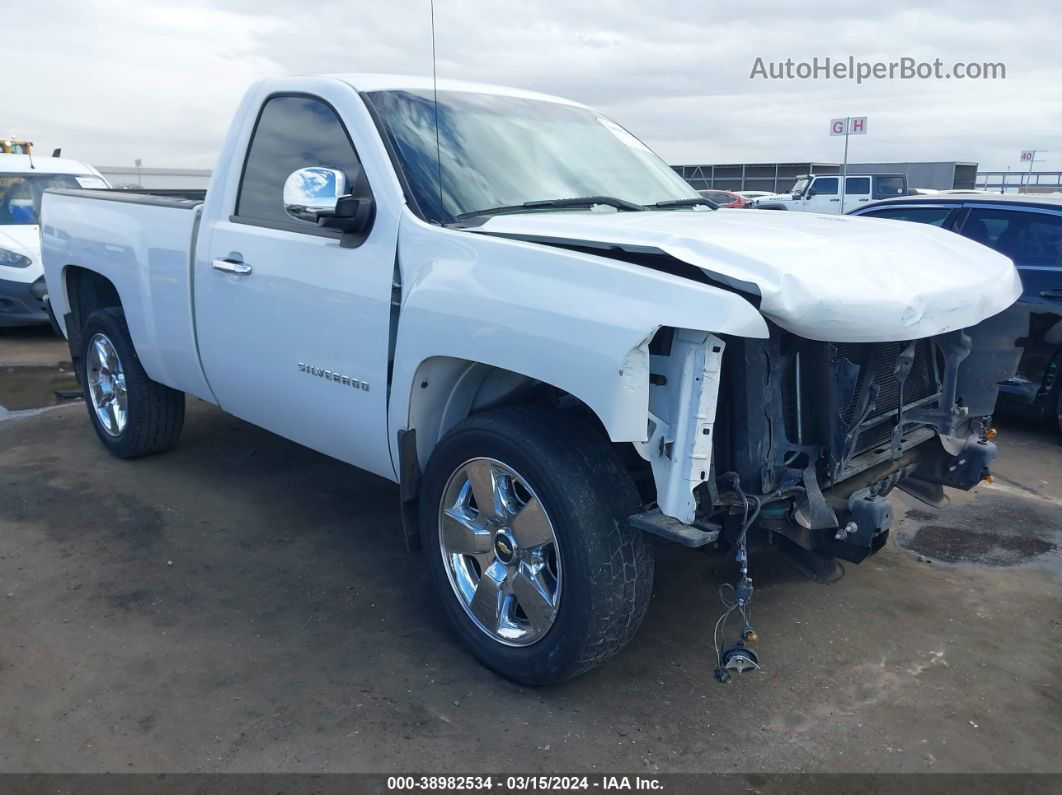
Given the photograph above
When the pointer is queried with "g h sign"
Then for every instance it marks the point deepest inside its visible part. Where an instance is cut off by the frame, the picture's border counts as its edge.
(849, 125)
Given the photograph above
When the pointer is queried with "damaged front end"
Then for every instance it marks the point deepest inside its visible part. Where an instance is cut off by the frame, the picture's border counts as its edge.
(802, 440)
(816, 433)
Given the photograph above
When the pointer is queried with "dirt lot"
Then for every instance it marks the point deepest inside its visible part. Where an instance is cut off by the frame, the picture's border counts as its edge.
(243, 604)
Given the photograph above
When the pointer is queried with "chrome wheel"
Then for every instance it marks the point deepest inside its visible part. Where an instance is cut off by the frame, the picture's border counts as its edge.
(500, 552)
(106, 385)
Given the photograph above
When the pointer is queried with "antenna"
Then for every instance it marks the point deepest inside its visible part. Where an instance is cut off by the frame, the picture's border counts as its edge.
(435, 91)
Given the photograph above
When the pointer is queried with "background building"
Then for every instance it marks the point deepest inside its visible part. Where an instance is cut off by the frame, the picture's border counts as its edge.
(159, 178)
(779, 177)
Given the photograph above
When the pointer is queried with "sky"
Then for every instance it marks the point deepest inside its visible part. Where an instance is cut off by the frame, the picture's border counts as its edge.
(114, 80)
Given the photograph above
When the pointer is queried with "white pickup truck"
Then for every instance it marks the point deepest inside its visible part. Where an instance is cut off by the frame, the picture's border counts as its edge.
(823, 193)
(507, 304)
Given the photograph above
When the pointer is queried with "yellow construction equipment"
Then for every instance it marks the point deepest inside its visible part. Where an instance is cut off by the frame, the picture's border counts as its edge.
(12, 146)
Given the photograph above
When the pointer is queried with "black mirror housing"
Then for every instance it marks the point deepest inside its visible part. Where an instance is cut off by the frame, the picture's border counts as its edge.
(351, 217)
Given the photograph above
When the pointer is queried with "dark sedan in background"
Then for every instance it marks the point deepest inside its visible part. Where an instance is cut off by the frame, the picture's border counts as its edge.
(1028, 229)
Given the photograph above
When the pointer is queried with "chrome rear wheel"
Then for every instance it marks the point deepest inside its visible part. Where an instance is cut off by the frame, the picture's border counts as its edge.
(500, 552)
(106, 385)
(131, 414)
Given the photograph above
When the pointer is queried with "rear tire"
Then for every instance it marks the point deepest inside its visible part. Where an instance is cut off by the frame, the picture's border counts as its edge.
(131, 414)
(594, 571)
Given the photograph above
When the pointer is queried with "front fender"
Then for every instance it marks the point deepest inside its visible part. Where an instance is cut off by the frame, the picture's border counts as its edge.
(579, 322)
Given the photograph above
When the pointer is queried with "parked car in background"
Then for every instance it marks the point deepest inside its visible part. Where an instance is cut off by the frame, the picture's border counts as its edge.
(750, 195)
(1028, 229)
(23, 180)
(819, 193)
(723, 198)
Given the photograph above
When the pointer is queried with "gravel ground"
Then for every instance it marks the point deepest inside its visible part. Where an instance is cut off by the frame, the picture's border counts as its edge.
(243, 604)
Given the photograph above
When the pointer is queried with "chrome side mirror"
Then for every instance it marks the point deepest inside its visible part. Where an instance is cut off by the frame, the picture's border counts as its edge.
(311, 193)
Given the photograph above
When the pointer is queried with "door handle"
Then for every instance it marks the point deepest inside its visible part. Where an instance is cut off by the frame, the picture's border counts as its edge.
(835, 200)
(1052, 294)
(231, 266)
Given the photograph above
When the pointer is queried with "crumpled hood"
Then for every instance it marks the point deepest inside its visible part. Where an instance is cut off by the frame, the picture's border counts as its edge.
(835, 278)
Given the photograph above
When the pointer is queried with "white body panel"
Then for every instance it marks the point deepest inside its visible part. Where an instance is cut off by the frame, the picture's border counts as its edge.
(144, 250)
(841, 279)
(576, 321)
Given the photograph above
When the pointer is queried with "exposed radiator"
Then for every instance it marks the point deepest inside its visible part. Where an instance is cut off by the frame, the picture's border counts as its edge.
(921, 384)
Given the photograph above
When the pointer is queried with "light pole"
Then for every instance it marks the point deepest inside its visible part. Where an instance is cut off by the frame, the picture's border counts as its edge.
(847, 125)
(844, 163)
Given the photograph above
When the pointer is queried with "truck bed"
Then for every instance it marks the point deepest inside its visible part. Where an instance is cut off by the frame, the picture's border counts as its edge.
(144, 244)
(162, 197)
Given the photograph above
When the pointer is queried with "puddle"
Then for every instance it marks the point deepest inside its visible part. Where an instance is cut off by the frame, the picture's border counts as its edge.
(998, 529)
(958, 545)
(27, 387)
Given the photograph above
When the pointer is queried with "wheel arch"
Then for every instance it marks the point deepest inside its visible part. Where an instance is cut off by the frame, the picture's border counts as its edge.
(85, 291)
(88, 290)
(447, 390)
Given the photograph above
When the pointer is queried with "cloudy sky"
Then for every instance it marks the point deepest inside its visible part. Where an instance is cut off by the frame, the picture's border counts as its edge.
(113, 80)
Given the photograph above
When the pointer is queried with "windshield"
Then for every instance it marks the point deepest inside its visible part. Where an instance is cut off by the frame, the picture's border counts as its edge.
(499, 151)
(20, 194)
(799, 185)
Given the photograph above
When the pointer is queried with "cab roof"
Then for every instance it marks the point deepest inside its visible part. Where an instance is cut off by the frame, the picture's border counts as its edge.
(389, 82)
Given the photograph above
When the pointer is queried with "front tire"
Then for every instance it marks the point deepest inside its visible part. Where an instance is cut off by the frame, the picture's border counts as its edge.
(524, 520)
(131, 414)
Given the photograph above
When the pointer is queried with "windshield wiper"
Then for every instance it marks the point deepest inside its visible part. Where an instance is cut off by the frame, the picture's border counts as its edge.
(687, 203)
(579, 201)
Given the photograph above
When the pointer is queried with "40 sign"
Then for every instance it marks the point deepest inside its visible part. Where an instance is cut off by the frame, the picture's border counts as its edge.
(849, 125)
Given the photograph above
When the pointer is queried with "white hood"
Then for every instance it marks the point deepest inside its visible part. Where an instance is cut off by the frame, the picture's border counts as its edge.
(23, 239)
(835, 278)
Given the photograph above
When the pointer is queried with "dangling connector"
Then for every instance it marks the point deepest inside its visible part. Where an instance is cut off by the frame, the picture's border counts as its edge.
(739, 658)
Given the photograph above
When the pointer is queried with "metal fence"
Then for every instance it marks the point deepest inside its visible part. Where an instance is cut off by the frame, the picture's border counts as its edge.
(1020, 181)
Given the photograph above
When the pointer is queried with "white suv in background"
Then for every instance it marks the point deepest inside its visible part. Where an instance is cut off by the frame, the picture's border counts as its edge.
(821, 193)
(23, 180)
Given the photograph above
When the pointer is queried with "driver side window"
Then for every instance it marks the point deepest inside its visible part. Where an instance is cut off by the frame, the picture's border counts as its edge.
(293, 132)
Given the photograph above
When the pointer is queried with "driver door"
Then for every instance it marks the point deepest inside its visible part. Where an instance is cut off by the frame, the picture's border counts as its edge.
(292, 318)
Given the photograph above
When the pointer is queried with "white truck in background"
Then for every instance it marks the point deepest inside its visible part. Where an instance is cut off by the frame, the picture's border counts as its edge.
(23, 180)
(822, 193)
(508, 305)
